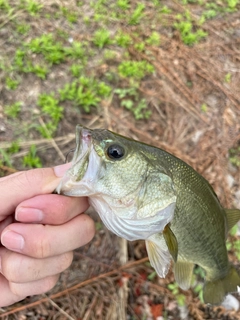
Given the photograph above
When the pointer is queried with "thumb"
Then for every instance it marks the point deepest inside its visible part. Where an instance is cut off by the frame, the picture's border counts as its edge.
(24, 185)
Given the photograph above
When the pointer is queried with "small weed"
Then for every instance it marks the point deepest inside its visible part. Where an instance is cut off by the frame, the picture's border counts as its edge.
(185, 27)
(32, 7)
(228, 77)
(4, 5)
(123, 39)
(234, 156)
(137, 14)
(101, 38)
(13, 110)
(71, 16)
(154, 39)
(23, 28)
(14, 148)
(123, 4)
(130, 100)
(5, 158)
(40, 71)
(31, 160)
(85, 92)
(165, 10)
(11, 84)
(135, 69)
(50, 107)
(140, 46)
(76, 51)
(76, 70)
(109, 54)
(52, 50)
(174, 288)
(204, 107)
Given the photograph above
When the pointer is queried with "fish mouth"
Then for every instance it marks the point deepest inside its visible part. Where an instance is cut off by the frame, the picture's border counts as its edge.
(80, 162)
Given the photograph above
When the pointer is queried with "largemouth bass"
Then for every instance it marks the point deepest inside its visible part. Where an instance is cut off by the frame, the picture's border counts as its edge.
(143, 192)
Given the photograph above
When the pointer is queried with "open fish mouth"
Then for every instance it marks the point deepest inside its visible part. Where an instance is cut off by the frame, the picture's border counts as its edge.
(82, 166)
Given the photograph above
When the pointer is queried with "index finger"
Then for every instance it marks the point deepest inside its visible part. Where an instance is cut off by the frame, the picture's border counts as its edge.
(26, 184)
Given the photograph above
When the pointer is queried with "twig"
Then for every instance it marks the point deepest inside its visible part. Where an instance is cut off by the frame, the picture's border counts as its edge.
(61, 155)
(60, 309)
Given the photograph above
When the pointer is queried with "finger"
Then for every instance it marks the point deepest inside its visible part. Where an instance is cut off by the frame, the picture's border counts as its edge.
(41, 241)
(50, 209)
(23, 185)
(19, 268)
(14, 292)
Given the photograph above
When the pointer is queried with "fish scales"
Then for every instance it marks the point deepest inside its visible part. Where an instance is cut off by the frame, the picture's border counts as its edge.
(143, 192)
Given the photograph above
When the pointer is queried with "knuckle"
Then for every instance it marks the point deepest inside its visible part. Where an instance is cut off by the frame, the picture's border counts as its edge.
(41, 246)
(16, 289)
(65, 261)
(49, 283)
(11, 267)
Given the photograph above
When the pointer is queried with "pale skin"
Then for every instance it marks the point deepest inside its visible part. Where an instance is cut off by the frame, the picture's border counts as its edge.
(38, 231)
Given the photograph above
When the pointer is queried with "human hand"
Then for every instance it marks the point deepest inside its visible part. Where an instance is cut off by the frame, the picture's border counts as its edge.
(34, 252)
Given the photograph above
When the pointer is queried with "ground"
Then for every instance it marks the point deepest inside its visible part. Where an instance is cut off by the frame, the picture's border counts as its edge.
(166, 73)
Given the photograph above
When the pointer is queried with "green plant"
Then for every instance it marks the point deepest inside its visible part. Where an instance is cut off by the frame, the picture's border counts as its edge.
(85, 92)
(5, 158)
(234, 156)
(71, 16)
(123, 4)
(31, 6)
(4, 5)
(101, 38)
(52, 50)
(204, 107)
(23, 28)
(232, 5)
(130, 100)
(135, 69)
(13, 110)
(31, 160)
(123, 39)
(228, 77)
(140, 46)
(76, 69)
(186, 29)
(50, 107)
(137, 14)
(174, 288)
(11, 84)
(154, 39)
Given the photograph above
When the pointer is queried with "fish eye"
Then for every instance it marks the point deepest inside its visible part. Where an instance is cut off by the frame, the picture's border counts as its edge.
(115, 151)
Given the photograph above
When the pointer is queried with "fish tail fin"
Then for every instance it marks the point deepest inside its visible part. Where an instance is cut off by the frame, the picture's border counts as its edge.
(214, 292)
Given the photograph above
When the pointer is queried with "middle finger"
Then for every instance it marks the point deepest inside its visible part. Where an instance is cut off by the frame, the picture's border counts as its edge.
(42, 241)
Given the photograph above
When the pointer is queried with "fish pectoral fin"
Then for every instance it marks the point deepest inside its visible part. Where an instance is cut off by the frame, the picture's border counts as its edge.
(233, 216)
(171, 242)
(158, 254)
(183, 274)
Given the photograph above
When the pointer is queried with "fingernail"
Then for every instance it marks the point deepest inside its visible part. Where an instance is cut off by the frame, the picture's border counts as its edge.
(12, 240)
(28, 214)
(60, 170)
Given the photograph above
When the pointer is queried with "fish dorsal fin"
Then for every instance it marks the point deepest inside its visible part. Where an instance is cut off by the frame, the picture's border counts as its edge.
(183, 274)
(171, 242)
(233, 216)
(158, 254)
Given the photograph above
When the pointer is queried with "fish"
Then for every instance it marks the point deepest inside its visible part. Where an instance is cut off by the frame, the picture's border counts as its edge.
(142, 192)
